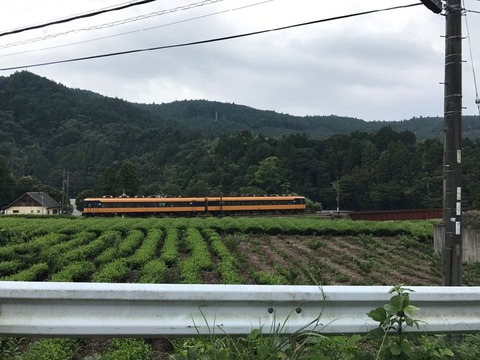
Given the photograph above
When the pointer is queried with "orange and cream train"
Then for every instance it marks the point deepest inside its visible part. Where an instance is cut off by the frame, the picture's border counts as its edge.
(193, 206)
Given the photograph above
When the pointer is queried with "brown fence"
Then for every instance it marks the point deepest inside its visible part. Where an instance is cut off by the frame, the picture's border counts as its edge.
(418, 214)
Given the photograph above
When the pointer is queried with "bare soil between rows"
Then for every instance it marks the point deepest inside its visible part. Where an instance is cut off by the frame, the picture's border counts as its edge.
(344, 260)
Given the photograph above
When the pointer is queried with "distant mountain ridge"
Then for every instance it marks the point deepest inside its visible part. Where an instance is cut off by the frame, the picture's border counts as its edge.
(208, 118)
(216, 118)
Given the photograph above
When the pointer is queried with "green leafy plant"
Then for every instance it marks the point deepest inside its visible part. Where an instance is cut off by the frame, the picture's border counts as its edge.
(227, 262)
(10, 347)
(433, 347)
(320, 347)
(154, 272)
(198, 259)
(34, 273)
(147, 249)
(52, 349)
(131, 242)
(129, 349)
(468, 348)
(316, 244)
(232, 242)
(115, 271)
(365, 266)
(170, 253)
(76, 271)
(9, 267)
(394, 317)
(407, 241)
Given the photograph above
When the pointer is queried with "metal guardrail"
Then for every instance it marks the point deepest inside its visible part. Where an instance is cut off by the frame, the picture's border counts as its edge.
(150, 310)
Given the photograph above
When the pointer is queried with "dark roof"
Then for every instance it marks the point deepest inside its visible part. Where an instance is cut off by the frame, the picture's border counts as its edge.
(40, 197)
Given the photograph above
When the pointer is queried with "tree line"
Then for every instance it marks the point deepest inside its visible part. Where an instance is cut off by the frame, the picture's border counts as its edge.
(362, 171)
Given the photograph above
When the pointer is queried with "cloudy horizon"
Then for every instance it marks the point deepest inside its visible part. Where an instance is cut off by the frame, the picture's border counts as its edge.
(383, 66)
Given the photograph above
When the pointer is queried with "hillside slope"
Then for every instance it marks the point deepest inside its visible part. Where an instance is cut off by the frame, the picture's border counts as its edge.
(200, 148)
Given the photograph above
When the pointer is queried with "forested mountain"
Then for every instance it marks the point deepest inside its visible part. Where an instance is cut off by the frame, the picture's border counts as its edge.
(215, 118)
(110, 146)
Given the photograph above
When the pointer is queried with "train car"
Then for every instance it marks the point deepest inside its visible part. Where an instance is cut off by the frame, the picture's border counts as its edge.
(192, 206)
(256, 204)
(144, 206)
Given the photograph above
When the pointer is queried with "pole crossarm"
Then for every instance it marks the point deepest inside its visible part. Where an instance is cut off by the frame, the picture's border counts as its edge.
(153, 310)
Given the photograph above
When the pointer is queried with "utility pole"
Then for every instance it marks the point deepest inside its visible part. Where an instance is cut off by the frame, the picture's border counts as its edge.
(452, 155)
(452, 161)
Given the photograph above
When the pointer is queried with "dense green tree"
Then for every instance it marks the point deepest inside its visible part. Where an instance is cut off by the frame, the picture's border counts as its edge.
(269, 177)
(369, 156)
(355, 189)
(471, 173)
(384, 137)
(7, 183)
(28, 183)
(198, 187)
(80, 199)
(108, 184)
(128, 179)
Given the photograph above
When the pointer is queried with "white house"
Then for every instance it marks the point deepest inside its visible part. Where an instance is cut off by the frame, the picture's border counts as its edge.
(33, 203)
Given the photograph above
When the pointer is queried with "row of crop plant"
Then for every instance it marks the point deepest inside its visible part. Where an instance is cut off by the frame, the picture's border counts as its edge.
(112, 256)
(14, 227)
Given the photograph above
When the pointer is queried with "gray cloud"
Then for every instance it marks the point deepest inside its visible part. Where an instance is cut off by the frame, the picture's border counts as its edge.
(386, 66)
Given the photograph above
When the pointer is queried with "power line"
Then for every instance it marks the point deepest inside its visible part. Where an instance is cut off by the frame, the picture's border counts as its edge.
(76, 17)
(113, 23)
(231, 37)
(139, 30)
(30, 7)
(477, 98)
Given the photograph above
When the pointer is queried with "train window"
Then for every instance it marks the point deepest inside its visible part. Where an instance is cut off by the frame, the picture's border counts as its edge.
(88, 204)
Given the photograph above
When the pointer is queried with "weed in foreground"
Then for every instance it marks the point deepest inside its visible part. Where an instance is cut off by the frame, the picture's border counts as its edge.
(258, 345)
(395, 316)
(10, 347)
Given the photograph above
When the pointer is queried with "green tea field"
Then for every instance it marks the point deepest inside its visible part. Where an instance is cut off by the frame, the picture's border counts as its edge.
(290, 250)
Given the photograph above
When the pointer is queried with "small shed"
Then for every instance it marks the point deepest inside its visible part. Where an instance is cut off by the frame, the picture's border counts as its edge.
(33, 203)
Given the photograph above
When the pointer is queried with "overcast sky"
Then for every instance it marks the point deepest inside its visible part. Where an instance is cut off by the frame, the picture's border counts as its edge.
(382, 66)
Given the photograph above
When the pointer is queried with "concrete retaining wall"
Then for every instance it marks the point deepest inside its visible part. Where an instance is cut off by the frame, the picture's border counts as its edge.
(470, 243)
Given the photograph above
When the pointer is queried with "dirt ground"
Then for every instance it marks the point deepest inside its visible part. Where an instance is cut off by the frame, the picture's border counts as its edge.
(343, 261)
